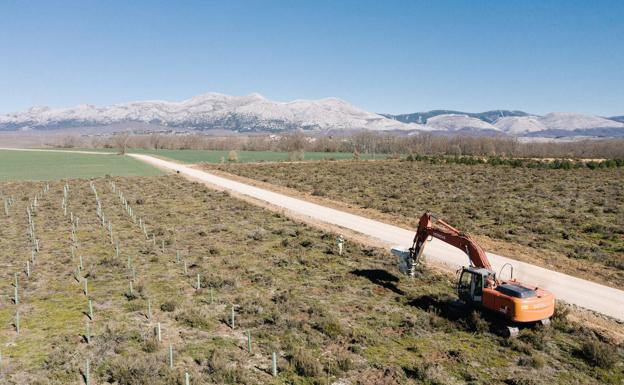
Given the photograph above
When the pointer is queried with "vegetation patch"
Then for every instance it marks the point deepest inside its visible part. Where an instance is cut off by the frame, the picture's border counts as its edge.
(328, 318)
(572, 219)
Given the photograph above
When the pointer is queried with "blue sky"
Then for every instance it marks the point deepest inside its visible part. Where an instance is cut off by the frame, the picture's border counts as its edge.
(384, 56)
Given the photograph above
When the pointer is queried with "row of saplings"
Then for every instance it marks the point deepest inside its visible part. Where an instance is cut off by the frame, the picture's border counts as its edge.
(565, 164)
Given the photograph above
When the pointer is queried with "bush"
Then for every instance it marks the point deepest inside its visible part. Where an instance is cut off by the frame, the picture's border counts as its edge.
(149, 346)
(523, 380)
(598, 353)
(168, 306)
(194, 319)
(533, 361)
(344, 362)
(128, 371)
(305, 364)
(560, 317)
(535, 338)
(222, 372)
(233, 156)
(477, 323)
(296, 156)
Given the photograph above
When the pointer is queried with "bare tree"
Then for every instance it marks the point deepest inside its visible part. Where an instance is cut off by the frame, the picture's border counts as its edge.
(121, 142)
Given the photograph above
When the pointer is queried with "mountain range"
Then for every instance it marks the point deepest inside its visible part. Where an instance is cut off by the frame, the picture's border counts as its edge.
(254, 113)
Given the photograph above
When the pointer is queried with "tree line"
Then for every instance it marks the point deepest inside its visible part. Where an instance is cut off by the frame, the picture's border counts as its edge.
(364, 142)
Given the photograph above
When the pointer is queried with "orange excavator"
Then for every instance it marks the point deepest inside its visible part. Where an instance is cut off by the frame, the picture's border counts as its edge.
(478, 285)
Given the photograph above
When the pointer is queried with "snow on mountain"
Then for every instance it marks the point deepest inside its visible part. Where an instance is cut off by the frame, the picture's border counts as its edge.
(516, 125)
(559, 123)
(457, 122)
(571, 121)
(256, 113)
(212, 110)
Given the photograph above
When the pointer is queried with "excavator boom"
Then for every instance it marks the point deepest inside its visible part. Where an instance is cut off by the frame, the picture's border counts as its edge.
(450, 235)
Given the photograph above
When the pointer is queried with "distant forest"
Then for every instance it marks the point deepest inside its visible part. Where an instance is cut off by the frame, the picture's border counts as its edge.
(365, 142)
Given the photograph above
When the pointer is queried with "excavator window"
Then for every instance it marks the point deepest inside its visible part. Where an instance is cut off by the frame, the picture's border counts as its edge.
(463, 287)
(478, 288)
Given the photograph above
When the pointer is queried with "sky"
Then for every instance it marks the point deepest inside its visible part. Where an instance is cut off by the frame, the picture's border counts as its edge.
(384, 56)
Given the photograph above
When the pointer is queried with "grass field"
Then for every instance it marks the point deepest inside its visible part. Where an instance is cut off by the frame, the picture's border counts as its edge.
(214, 156)
(572, 220)
(38, 165)
(330, 319)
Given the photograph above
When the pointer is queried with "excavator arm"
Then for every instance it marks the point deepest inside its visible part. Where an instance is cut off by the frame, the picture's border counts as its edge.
(450, 235)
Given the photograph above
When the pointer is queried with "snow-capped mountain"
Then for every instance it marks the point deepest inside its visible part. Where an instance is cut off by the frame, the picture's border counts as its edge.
(458, 122)
(570, 121)
(560, 124)
(253, 112)
(213, 111)
(518, 123)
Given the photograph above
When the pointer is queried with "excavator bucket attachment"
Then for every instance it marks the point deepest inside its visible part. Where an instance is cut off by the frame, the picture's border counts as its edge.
(405, 259)
(407, 264)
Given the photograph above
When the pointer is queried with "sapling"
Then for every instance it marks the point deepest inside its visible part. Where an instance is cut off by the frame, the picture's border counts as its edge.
(90, 309)
(87, 373)
(88, 332)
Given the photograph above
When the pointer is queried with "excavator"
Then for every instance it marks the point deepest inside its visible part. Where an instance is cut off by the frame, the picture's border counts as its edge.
(477, 285)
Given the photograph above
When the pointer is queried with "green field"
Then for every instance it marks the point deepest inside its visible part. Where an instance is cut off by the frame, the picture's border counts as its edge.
(34, 165)
(214, 156)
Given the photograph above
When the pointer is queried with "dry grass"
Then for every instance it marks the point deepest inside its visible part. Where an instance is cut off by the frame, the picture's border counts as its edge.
(328, 317)
(572, 220)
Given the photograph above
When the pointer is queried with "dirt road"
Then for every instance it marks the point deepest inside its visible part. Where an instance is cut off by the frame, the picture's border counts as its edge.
(583, 293)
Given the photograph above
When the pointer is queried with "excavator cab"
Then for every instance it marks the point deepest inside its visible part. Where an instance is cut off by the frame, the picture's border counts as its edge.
(471, 282)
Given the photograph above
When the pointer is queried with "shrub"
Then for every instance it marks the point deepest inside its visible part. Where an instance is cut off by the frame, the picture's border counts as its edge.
(533, 361)
(137, 371)
(222, 372)
(233, 156)
(535, 337)
(296, 156)
(168, 306)
(258, 234)
(518, 345)
(194, 319)
(344, 361)
(522, 380)
(305, 364)
(599, 353)
(477, 323)
(306, 243)
(149, 346)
